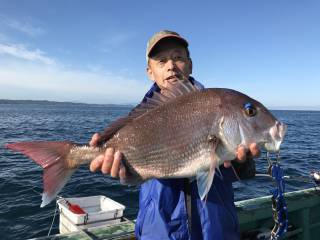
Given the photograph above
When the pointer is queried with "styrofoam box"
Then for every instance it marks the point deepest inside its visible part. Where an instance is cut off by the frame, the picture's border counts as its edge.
(66, 226)
(98, 208)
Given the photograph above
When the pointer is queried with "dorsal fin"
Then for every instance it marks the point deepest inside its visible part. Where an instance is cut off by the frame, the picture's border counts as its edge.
(173, 91)
(113, 128)
(179, 88)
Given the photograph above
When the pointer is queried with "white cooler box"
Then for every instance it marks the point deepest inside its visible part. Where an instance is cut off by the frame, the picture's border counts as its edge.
(100, 210)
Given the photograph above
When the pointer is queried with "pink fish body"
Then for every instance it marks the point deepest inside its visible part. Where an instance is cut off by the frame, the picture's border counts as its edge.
(182, 133)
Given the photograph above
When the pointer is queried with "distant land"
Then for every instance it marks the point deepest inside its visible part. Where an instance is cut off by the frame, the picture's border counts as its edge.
(296, 108)
(9, 101)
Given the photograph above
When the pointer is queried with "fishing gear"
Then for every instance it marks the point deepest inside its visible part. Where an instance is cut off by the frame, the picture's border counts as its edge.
(279, 206)
(314, 177)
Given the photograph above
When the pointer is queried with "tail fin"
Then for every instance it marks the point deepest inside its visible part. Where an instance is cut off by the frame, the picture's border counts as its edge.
(51, 156)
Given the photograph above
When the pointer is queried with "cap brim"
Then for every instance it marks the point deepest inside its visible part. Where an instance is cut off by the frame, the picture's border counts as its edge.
(178, 38)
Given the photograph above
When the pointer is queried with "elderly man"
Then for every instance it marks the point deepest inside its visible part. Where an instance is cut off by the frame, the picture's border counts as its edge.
(171, 208)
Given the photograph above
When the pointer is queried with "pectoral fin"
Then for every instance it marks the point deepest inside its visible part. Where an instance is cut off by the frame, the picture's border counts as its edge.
(205, 178)
(204, 182)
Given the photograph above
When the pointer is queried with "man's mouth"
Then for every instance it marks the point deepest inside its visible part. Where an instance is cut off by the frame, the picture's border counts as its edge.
(173, 78)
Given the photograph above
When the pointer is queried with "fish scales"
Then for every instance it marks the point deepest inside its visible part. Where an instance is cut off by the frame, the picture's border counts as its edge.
(187, 136)
(155, 148)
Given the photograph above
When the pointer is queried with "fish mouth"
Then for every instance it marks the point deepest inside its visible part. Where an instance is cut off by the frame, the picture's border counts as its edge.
(277, 133)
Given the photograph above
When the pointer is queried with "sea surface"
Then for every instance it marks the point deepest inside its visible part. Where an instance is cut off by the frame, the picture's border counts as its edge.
(21, 179)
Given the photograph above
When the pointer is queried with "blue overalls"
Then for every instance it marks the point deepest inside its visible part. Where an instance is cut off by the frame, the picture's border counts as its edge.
(162, 209)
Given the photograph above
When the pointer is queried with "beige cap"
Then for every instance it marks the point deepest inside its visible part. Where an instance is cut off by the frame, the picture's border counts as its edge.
(157, 37)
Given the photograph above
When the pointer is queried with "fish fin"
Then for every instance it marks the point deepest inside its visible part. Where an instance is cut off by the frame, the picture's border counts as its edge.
(136, 112)
(204, 182)
(54, 179)
(52, 157)
(113, 128)
(179, 88)
(205, 178)
(173, 91)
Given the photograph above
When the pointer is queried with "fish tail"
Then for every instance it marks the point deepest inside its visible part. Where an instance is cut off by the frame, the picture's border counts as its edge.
(52, 157)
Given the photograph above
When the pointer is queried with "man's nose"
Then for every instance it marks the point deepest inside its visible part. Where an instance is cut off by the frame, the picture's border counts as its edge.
(171, 64)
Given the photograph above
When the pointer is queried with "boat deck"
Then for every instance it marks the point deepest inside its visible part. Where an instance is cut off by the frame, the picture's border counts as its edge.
(303, 213)
(255, 215)
(120, 231)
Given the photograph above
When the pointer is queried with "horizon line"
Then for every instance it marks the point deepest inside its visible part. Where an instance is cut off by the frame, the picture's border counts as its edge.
(288, 108)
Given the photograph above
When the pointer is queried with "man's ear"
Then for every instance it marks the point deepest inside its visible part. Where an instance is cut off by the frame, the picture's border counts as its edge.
(150, 73)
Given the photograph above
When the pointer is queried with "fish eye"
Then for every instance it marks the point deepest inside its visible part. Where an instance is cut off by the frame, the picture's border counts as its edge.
(250, 110)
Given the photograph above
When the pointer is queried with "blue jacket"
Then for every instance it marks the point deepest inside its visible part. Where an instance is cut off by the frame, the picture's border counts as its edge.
(163, 215)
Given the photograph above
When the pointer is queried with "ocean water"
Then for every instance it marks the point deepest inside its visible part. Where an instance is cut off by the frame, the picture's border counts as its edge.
(21, 179)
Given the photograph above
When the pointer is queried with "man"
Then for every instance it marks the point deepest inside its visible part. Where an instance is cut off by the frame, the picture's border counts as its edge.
(165, 205)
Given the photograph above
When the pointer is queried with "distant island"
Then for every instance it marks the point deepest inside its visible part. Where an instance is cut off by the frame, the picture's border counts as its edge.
(46, 102)
(8, 101)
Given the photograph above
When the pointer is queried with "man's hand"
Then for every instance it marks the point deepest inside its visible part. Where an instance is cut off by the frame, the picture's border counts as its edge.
(109, 162)
(243, 153)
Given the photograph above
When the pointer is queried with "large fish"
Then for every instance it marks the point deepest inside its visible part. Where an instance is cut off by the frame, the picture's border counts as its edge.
(184, 132)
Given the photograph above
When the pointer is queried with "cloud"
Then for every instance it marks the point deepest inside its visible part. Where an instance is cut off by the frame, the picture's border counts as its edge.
(24, 27)
(20, 51)
(19, 80)
(114, 41)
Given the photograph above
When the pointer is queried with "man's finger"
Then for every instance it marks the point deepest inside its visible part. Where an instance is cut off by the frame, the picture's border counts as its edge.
(96, 163)
(94, 140)
(123, 174)
(227, 164)
(241, 153)
(107, 161)
(116, 164)
(254, 149)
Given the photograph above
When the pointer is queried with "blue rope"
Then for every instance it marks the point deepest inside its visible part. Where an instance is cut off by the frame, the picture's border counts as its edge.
(279, 206)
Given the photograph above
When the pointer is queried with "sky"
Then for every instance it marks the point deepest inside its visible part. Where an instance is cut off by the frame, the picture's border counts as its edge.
(94, 51)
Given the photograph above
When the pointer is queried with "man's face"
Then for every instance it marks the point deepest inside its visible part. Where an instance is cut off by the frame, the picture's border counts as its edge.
(169, 63)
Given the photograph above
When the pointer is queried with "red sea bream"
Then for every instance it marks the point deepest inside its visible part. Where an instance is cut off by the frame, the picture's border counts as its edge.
(184, 132)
